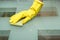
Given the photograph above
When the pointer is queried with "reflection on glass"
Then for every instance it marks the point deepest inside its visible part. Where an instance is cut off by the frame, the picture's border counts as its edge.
(48, 11)
(6, 14)
(55, 37)
(50, 8)
(4, 34)
(49, 35)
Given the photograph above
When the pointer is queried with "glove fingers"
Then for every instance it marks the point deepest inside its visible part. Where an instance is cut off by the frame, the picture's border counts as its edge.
(16, 18)
(23, 21)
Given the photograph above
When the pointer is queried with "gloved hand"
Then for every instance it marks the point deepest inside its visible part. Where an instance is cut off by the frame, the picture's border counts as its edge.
(24, 16)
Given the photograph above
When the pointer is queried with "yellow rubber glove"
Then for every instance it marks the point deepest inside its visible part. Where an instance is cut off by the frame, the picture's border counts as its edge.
(24, 16)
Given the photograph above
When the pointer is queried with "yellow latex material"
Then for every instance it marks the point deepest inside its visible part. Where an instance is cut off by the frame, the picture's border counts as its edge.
(27, 14)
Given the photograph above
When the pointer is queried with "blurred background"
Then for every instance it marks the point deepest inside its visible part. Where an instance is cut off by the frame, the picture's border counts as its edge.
(50, 9)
